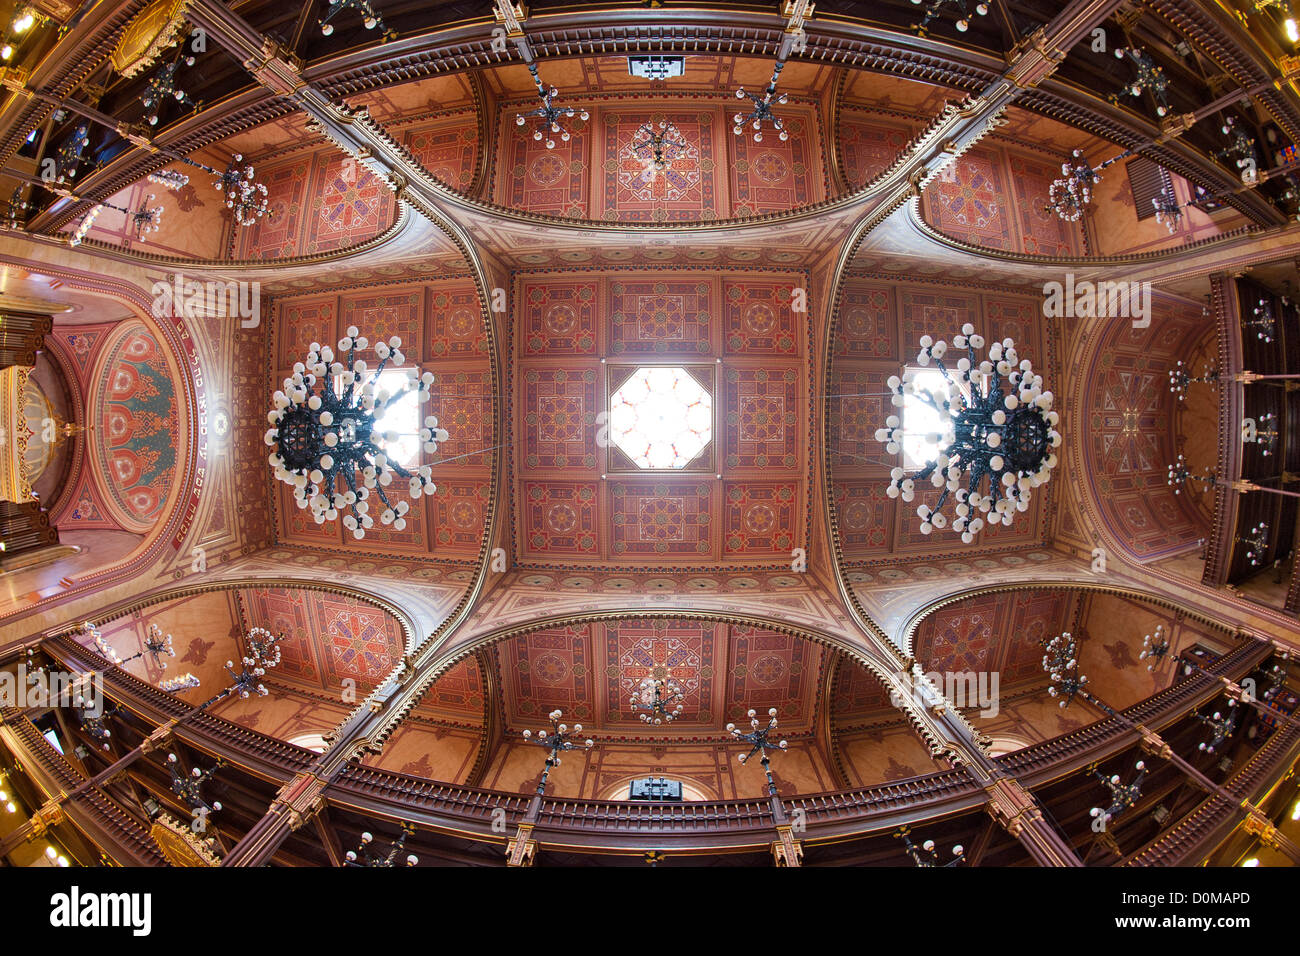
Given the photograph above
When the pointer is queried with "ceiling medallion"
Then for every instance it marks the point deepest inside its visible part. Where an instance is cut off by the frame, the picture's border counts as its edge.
(326, 432)
(985, 432)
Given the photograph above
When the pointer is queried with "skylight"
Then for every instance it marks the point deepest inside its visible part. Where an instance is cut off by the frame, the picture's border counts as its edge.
(661, 418)
(921, 424)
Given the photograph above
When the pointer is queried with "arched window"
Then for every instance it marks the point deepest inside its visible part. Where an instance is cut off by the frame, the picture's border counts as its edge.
(314, 742)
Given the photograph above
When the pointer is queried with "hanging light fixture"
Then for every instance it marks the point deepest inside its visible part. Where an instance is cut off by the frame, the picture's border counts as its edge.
(1062, 665)
(156, 645)
(263, 654)
(1180, 474)
(162, 88)
(95, 725)
(1240, 145)
(190, 789)
(548, 115)
(1150, 78)
(656, 696)
(1123, 796)
(1256, 542)
(68, 155)
(962, 9)
(556, 742)
(660, 146)
(370, 18)
(16, 214)
(1180, 379)
(926, 855)
(989, 431)
(1262, 321)
(143, 221)
(364, 856)
(328, 446)
(760, 740)
(1221, 727)
(762, 109)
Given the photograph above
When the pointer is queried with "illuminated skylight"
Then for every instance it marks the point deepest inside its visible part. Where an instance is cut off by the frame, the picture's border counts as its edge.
(661, 418)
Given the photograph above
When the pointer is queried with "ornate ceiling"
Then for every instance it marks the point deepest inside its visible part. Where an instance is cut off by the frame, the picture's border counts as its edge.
(787, 279)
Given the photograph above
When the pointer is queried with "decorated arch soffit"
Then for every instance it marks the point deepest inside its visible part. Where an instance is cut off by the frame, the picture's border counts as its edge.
(163, 360)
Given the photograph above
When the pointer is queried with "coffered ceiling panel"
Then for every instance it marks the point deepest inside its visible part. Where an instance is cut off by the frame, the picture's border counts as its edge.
(580, 500)
(590, 671)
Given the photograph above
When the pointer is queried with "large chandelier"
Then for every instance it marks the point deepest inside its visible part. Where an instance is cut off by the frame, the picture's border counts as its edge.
(328, 447)
(1006, 436)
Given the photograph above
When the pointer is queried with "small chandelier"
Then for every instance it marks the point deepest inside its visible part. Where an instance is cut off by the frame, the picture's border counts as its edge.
(1007, 437)
(1239, 145)
(1221, 727)
(263, 654)
(1262, 320)
(324, 432)
(1154, 646)
(190, 789)
(557, 741)
(1180, 474)
(1180, 379)
(1169, 211)
(926, 855)
(962, 8)
(1068, 195)
(548, 115)
(1123, 796)
(762, 110)
(1256, 542)
(68, 156)
(655, 696)
(162, 87)
(156, 645)
(1266, 434)
(364, 856)
(664, 144)
(1062, 666)
(1149, 78)
(370, 17)
(244, 195)
(16, 214)
(95, 726)
(760, 740)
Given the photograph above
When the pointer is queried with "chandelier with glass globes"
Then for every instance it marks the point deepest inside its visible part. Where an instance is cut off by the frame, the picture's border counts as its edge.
(327, 443)
(655, 698)
(997, 436)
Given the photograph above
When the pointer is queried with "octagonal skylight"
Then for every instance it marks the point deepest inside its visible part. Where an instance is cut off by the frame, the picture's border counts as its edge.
(661, 418)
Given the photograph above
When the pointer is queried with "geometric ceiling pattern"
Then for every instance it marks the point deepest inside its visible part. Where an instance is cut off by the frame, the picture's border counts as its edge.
(1001, 632)
(330, 643)
(582, 502)
(590, 671)
(1129, 414)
